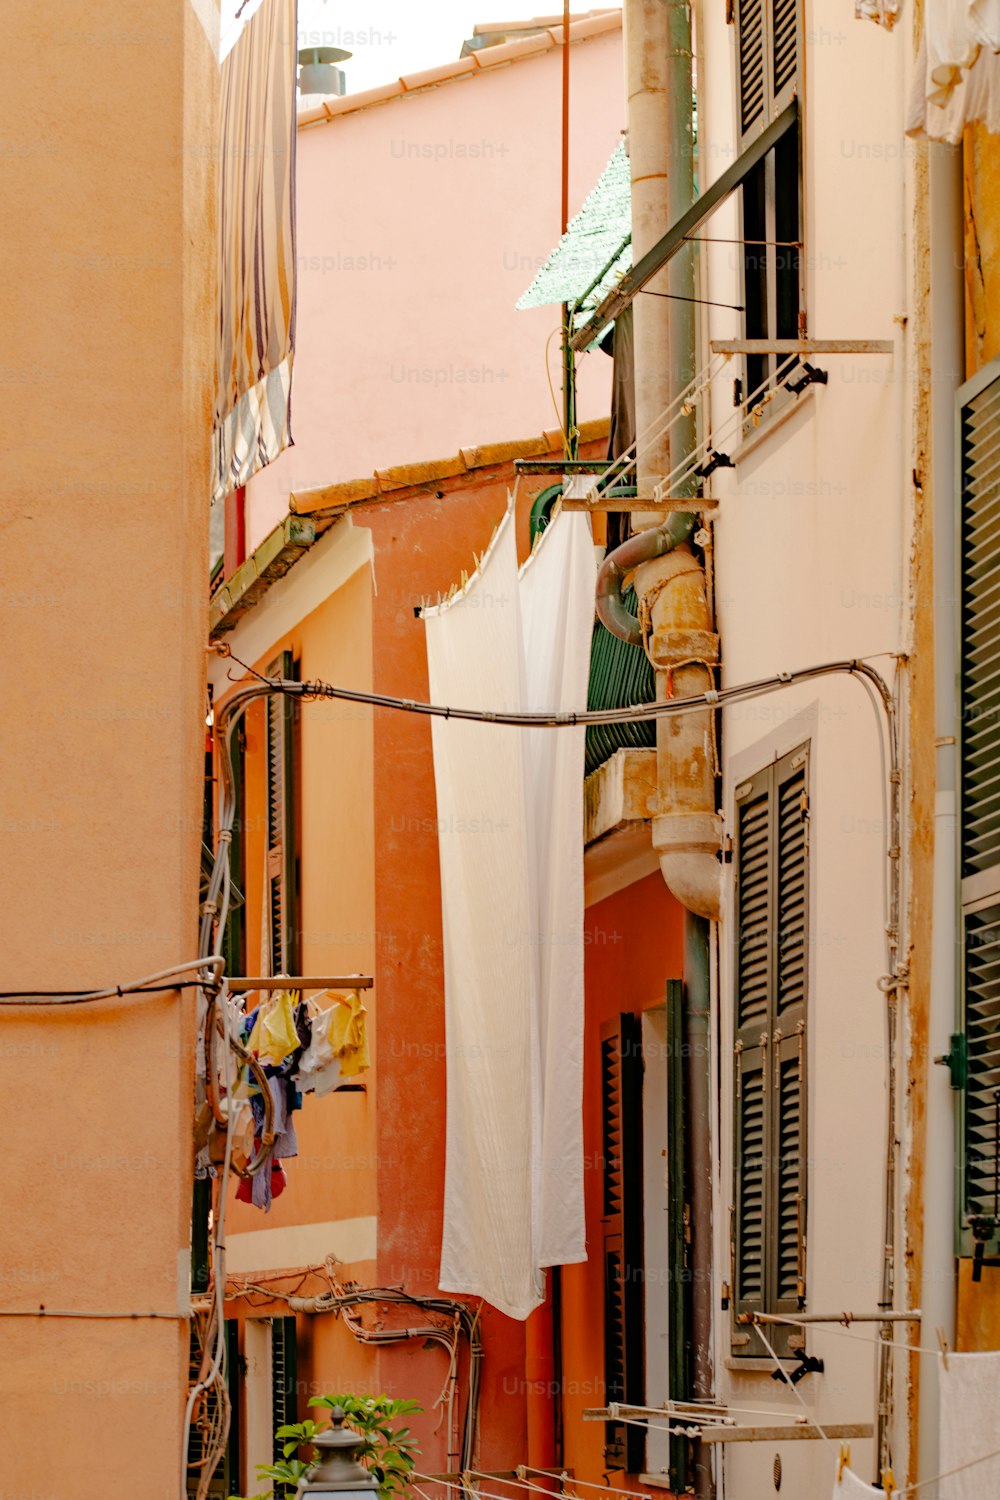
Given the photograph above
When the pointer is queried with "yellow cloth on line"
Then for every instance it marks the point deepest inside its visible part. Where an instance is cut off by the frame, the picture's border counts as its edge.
(348, 1034)
(278, 1036)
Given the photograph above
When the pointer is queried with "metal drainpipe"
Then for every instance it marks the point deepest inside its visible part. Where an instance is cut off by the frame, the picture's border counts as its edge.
(698, 1136)
(680, 641)
(646, 69)
(937, 1293)
(670, 583)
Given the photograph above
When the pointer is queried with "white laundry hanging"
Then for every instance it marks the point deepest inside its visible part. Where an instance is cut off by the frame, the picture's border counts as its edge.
(969, 1387)
(510, 821)
(957, 74)
(850, 1487)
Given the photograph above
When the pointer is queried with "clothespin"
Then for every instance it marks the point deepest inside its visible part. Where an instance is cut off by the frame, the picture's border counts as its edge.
(943, 1342)
(888, 1481)
(843, 1462)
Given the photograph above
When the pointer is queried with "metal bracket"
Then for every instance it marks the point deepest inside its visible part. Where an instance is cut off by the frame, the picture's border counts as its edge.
(714, 461)
(810, 376)
(956, 1060)
(808, 1365)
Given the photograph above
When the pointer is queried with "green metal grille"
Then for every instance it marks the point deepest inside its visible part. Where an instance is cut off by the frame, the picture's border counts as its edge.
(620, 674)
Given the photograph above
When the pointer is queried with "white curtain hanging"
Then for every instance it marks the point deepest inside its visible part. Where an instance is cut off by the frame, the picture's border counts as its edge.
(510, 820)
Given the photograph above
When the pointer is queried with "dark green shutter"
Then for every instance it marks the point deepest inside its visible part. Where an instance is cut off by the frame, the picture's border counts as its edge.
(979, 552)
(768, 57)
(771, 969)
(980, 657)
(234, 938)
(620, 675)
(751, 53)
(284, 1398)
(281, 823)
(785, 44)
(621, 1157)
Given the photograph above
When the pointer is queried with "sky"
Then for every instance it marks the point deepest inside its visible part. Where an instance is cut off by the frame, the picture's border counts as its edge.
(391, 37)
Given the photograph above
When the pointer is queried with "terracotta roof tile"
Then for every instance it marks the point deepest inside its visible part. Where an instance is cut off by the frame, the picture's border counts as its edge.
(443, 74)
(480, 61)
(401, 475)
(508, 52)
(349, 492)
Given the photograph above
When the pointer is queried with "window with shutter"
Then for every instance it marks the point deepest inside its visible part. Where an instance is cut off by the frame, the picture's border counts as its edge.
(979, 551)
(234, 938)
(769, 49)
(282, 864)
(621, 1161)
(771, 849)
(284, 1399)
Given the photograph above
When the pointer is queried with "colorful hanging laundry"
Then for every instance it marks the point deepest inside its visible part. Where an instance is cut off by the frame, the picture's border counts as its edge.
(278, 1035)
(348, 1035)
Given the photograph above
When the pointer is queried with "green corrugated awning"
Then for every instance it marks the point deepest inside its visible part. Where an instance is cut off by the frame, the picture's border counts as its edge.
(596, 250)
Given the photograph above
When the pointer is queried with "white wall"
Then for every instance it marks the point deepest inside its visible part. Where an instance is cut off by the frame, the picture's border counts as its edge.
(811, 567)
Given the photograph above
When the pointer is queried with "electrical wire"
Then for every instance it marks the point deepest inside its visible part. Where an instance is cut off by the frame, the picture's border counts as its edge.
(575, 718)
(552, 389)
(149, 985)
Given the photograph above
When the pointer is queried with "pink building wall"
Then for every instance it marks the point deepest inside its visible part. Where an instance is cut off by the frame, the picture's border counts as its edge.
(420, 222)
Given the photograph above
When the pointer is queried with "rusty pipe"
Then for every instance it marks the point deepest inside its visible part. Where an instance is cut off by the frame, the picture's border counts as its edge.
(644, 546)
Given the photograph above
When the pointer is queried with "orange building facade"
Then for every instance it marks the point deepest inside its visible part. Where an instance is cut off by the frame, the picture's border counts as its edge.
(333, 595)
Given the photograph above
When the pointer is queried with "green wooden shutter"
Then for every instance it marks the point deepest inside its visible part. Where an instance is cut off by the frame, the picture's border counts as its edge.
(771, 968)
(785, 48)
(284, 1397)
(769, 41)
(979, 552)
(621, 1157)
(788, 1149)
(751, 63)
(234, 938)
(282, 881)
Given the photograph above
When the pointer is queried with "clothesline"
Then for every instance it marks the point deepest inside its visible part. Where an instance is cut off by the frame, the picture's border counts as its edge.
(860, 1338)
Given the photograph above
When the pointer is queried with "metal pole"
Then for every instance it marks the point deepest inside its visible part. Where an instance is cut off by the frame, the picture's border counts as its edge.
(569, 358)
(699, 1153)
(847, 1318)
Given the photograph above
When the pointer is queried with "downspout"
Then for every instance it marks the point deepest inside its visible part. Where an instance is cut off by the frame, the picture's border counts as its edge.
(698, 1136)
(937, 1292)
(675, 624)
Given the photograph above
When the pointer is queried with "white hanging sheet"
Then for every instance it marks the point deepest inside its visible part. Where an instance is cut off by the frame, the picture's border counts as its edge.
(850, 1487)
(510, 821)
(956, 79)
(970, 1425)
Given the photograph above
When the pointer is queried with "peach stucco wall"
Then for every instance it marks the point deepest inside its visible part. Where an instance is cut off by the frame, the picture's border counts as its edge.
(420, 223)
(109, 241)
(634, 945)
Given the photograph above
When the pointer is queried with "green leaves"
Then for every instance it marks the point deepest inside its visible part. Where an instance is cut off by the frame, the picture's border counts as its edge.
(388, 1451)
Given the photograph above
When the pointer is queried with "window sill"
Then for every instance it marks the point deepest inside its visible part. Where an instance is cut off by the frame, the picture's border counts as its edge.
(771, 424)
(757, 1364)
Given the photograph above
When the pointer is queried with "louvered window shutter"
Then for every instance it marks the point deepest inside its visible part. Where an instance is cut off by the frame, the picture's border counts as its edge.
(979, 450)
(621, 1156)
(771, 901)
(284, 1399)
(768, 56)
(754, 923)
(788, 1038)
(282, 914)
